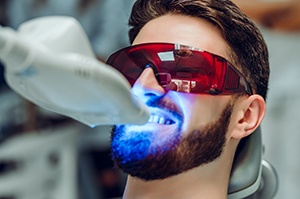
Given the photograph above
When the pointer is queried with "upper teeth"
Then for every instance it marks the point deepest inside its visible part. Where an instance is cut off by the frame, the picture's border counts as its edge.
(159, 119)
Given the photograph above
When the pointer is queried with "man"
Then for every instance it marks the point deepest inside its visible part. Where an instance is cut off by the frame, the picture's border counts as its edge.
(201, 105)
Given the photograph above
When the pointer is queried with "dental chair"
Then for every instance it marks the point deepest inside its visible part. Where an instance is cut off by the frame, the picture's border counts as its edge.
(40, 165)
(252, 177)
(34, 52)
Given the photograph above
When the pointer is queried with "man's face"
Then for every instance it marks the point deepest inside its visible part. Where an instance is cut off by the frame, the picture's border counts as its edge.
(184, 130)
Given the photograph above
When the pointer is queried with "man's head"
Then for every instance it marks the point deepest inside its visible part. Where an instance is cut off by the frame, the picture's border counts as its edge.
(190, 128)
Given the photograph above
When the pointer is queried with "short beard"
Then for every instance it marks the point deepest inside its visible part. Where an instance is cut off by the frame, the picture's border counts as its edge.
(198, 148)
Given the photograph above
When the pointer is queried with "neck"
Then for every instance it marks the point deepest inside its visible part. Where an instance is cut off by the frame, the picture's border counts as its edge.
(208, 181)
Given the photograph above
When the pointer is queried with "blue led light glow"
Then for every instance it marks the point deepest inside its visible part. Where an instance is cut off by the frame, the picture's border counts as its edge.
(156, 151)
(133, 149)
(131, 144)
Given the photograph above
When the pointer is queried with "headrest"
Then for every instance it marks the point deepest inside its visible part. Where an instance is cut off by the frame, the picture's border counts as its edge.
(245, 176)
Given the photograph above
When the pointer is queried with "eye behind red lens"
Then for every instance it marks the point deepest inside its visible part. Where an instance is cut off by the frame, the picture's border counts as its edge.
(180, 68)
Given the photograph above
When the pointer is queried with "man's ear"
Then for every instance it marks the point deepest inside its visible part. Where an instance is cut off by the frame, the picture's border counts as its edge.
(250, 113)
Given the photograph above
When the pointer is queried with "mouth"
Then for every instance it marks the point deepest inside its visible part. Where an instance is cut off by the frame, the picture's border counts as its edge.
(160, 119)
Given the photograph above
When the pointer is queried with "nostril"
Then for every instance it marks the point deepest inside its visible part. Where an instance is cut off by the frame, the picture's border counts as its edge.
(151, 95)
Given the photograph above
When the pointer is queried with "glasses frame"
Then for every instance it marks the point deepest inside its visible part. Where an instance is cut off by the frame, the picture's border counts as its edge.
(225, 80)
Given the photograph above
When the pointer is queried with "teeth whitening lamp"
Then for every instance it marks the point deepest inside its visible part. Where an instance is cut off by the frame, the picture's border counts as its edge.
(50, 62)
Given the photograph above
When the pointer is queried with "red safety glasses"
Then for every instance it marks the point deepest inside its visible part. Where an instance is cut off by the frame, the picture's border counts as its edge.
(180, 68)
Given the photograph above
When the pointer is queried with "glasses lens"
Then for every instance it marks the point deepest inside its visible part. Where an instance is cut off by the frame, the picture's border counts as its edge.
(178, 67)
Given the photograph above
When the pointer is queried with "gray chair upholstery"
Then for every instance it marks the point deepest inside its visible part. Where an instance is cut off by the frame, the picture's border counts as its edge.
(251, 176)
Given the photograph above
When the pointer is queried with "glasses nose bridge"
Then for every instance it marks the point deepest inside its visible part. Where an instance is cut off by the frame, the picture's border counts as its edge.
(147, 84)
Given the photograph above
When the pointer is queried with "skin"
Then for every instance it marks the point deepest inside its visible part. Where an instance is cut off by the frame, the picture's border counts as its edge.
(179, 34)
(209, 180)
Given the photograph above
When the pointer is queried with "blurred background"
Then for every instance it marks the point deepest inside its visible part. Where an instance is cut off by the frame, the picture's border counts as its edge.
(44, 155)
(49, 156)
(279, 22)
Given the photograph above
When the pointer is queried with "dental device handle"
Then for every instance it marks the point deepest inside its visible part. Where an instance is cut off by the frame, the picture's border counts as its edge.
(58, 75)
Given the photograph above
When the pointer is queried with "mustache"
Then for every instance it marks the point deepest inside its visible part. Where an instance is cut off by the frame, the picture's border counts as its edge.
(166, 105)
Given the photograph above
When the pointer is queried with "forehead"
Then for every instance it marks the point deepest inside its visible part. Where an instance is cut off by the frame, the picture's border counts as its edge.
(186, 30)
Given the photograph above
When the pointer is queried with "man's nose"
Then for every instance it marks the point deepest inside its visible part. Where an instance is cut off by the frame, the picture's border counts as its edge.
(147, 86)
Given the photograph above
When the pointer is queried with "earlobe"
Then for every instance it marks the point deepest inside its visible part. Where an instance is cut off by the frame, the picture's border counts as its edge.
(250, 116)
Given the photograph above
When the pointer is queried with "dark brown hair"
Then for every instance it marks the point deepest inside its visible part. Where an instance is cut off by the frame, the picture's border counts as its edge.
(248, 50)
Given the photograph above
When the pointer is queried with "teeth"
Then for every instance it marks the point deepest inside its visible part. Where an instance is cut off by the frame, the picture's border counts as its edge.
(151, 118)
(156, 119)
(159, 120)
